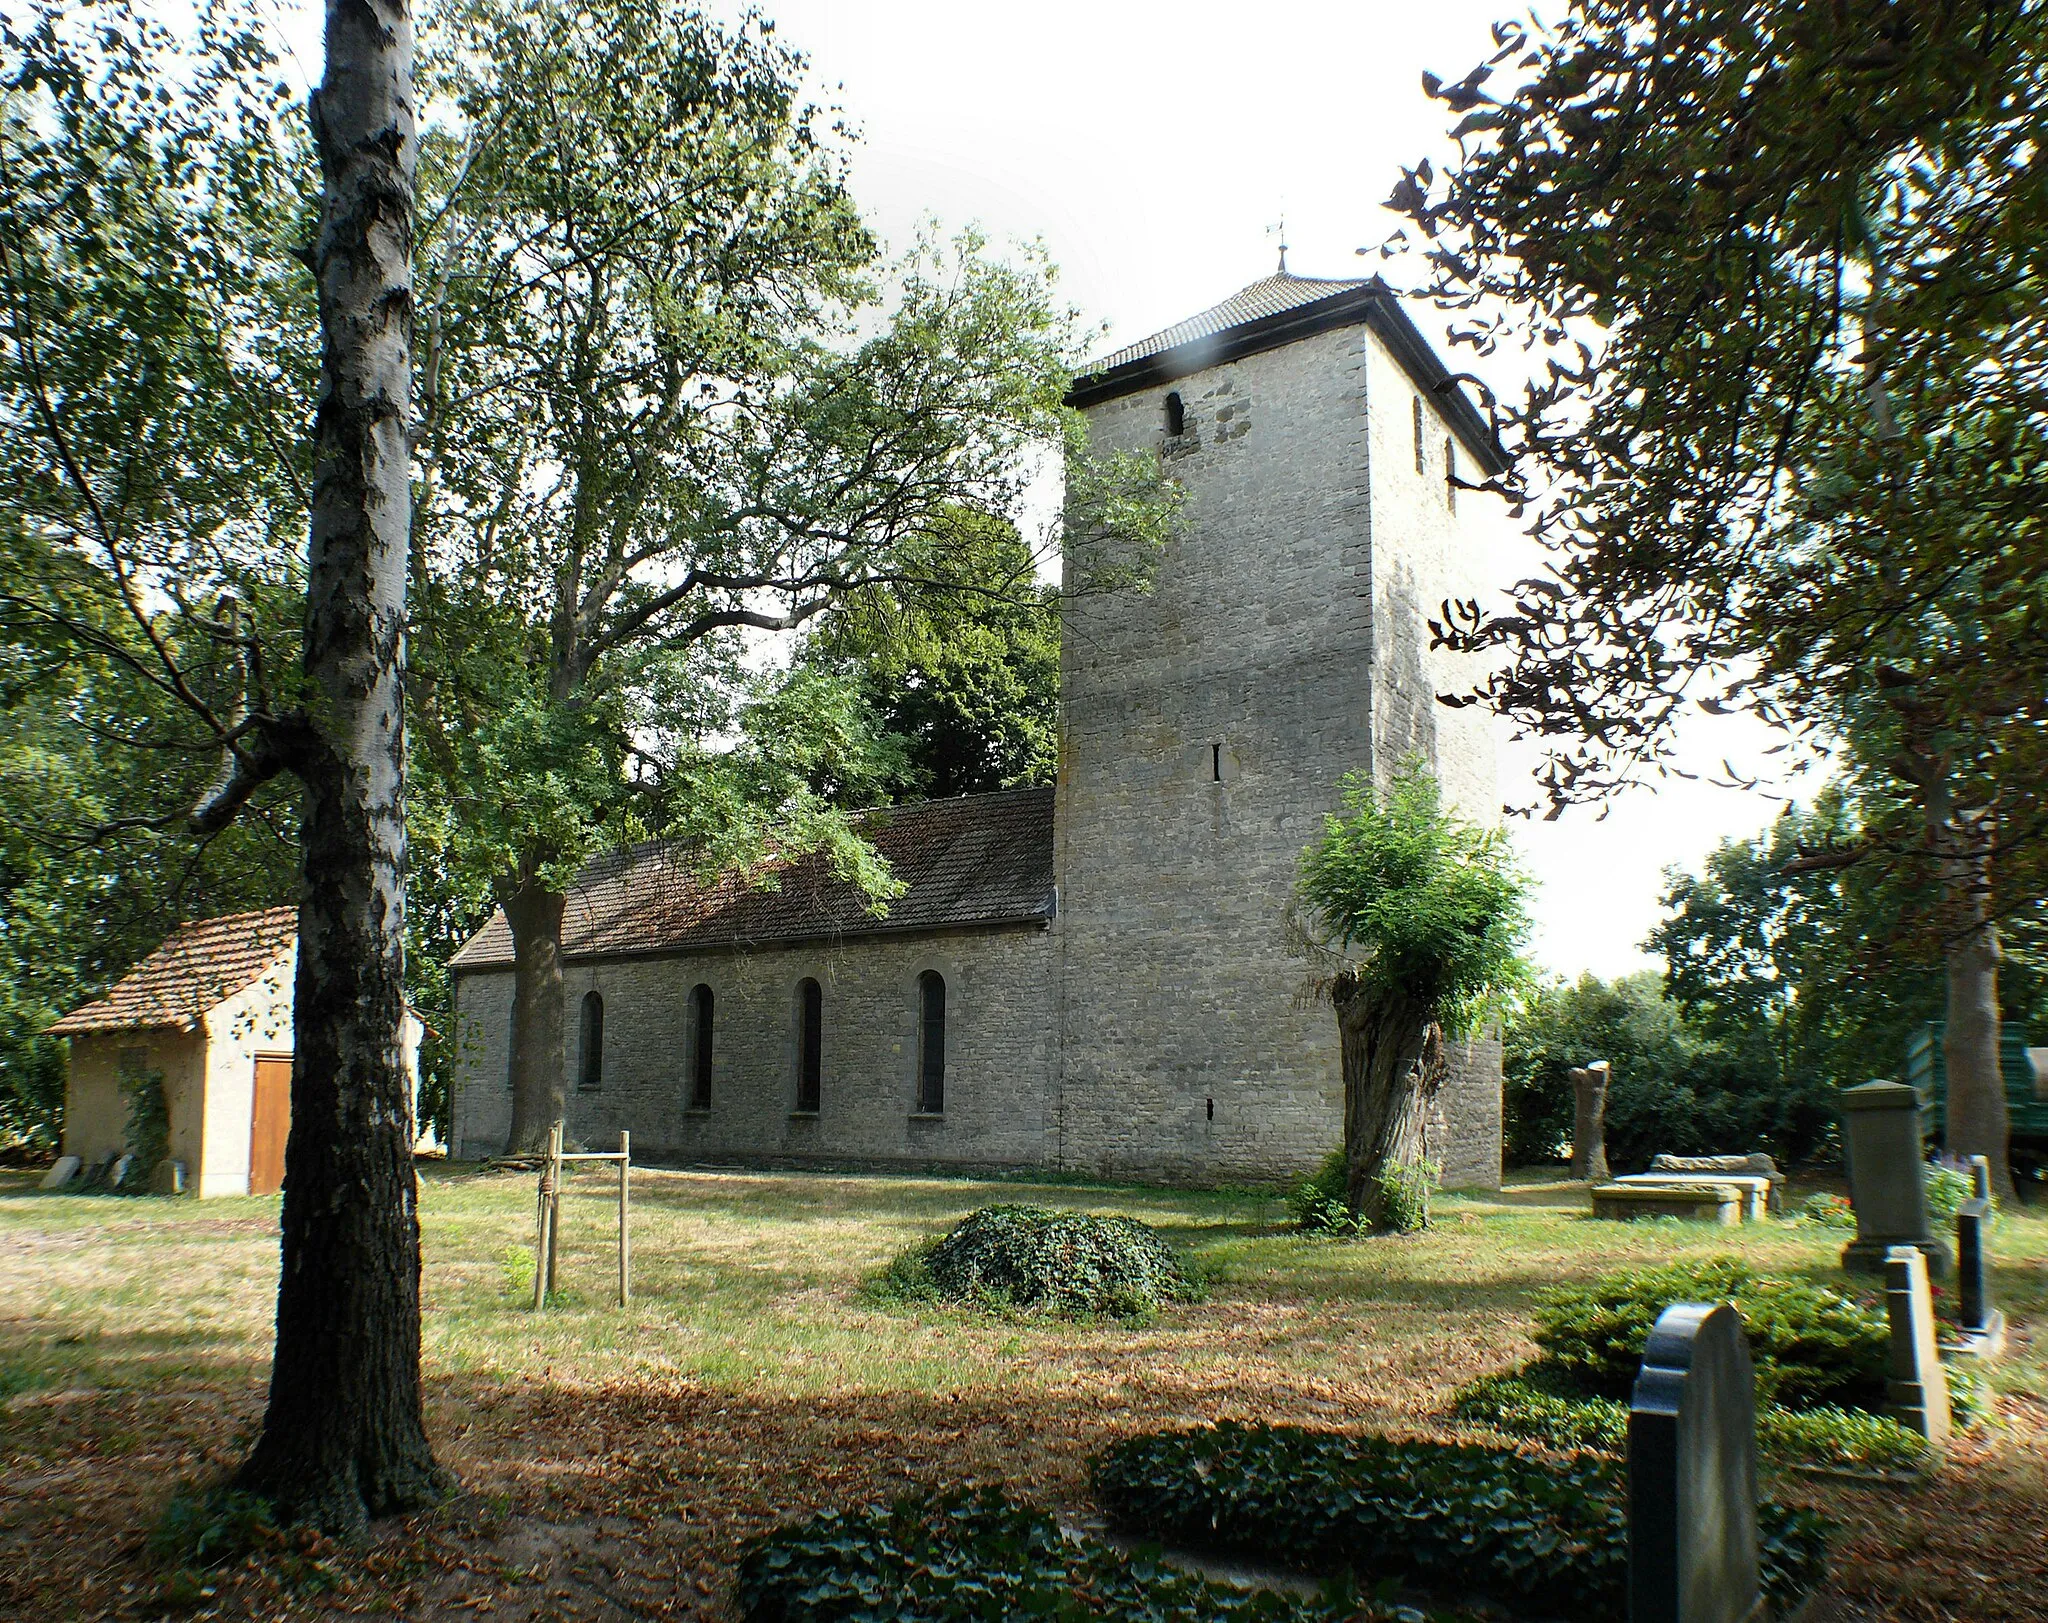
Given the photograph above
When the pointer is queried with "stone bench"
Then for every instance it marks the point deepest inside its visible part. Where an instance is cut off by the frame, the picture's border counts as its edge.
(1706, 1203)
(1756, 1191)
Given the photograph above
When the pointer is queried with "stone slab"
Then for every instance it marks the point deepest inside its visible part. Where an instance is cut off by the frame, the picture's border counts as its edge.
(1750, 1166)
(62, 1173)
(1756, 1190)
(1716, 1203)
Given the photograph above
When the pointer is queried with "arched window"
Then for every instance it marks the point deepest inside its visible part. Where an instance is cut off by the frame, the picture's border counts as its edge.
(1176, 416)
(700, 1047)
(810, 1044)
(931, 1043)
(590, 1044)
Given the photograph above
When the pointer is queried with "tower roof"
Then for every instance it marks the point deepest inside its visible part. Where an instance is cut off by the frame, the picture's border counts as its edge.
(1281, 309)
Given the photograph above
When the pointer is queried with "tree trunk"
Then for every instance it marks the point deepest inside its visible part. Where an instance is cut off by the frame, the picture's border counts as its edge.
(534, 913)
(1978, 1122)
(1589, 1121)
(1393, 1062)
(344, 1437)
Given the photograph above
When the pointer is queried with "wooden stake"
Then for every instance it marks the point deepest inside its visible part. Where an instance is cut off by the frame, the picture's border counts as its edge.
(555, 1207)
(544, 1239)
(625, 1238)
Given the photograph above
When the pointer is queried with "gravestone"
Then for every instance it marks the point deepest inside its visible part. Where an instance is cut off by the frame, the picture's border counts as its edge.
(1916, 1386)
(117, 1174)
(1692, 1541)
(168, 1179)
(1887, 1177)
(1983, 1326)
(62, 1173)
(1589, 1120)
(1980, 1176)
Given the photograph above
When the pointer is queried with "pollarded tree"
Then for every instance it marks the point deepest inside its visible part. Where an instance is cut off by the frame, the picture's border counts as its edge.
(1781, 267)
(1414, 920)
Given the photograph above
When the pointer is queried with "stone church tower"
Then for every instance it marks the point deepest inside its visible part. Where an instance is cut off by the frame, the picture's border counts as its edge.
(1091, 977)
(1206, 725)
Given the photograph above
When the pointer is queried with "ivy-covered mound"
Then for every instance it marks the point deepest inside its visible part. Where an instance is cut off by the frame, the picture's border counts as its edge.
(979, 1556)
(1027, 1257)
(1811, 1346)
(1819, 1360)
(1537, 1402)
(1447, 1516)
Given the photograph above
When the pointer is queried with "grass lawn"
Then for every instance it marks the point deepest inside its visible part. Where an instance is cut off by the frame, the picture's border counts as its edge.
(614, 1460)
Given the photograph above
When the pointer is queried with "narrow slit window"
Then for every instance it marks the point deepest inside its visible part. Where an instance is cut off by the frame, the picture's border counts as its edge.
(511, 1046)
(1421, 462)
(590, 1044)
(931, 1043)
(1451, 472)
(1216, 763)
(810, 1045)
(700, 1047)
(1176, 416)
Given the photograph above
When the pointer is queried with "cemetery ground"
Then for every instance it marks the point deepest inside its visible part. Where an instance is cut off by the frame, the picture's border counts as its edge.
(614, 1460)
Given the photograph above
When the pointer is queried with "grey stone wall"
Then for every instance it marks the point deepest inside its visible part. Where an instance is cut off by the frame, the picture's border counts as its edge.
(1206, 728)
(999, 1053)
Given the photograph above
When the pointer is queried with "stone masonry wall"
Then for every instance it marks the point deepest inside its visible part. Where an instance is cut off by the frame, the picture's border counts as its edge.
(999, 1053)
(1206, 727)
(1427, 548)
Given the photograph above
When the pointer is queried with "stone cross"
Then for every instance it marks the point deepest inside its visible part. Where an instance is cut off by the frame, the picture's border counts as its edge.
(1692, 1542)
(1916, 1387)
(1887, 1177)
(1589, 1120)
(1983, 1328)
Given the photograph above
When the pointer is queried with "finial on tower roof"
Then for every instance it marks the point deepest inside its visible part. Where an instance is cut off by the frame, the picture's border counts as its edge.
(1281, 231)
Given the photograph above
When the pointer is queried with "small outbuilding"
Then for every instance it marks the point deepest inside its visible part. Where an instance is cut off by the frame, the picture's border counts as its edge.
(210, 1011)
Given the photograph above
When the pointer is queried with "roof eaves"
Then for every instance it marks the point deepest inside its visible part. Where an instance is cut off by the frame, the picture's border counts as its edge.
(1374, 305)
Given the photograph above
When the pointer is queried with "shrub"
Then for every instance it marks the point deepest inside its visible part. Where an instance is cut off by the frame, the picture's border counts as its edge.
(1811, 1346)
(976, 1556)
(1947, 1189)
(1547, 1534)
(1317, 1204)
(1537, 1403)
(1830, 1211)
(1067, 1263)
(148, 1131)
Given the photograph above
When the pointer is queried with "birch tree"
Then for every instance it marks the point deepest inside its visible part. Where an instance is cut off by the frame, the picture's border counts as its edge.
(156, 362)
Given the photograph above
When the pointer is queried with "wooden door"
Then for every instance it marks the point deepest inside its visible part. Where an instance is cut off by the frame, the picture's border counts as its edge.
(270, 1120)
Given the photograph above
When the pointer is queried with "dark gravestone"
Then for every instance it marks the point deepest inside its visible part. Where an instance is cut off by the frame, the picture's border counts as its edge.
(1692, 1555)
(1983, 1326)
(1887, 1177)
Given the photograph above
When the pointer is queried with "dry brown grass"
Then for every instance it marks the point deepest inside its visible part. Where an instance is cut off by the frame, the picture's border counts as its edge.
(613, 1461)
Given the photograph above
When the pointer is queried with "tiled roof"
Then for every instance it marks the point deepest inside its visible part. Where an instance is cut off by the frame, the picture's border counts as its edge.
(1269, 297)
(977, 860)
(1283, 309)
(203, 964)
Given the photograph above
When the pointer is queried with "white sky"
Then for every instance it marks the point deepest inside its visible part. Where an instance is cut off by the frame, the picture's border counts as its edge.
(1152, 146)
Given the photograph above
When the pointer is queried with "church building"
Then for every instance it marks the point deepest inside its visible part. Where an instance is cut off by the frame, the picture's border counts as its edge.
(1093, 977)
